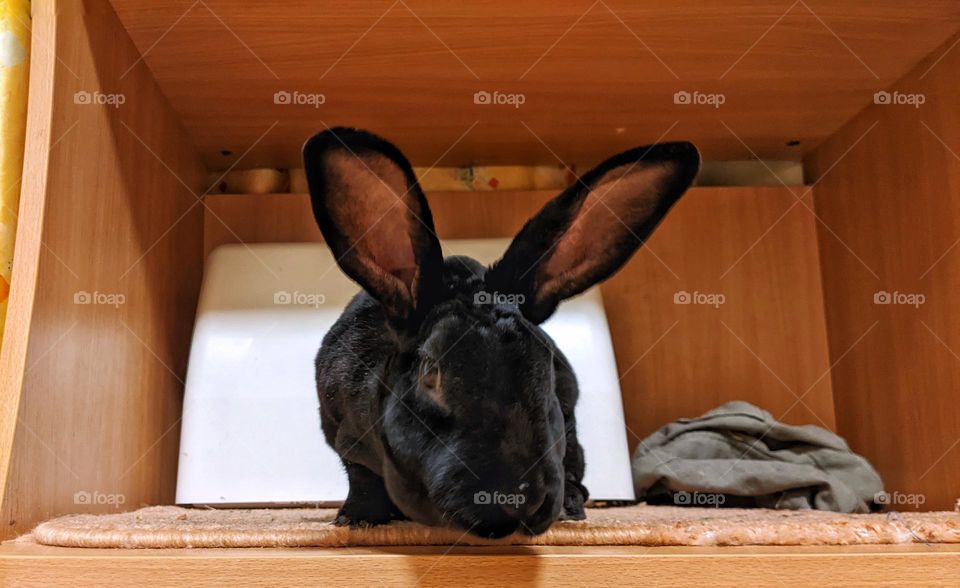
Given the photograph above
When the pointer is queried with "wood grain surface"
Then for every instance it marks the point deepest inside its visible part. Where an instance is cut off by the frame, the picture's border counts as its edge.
(108, 266)
(596, 77)
(890, 206)
(28, 564)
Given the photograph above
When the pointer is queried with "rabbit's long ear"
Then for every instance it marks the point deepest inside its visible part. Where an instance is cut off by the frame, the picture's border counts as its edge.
(589, 231)
(375, 218)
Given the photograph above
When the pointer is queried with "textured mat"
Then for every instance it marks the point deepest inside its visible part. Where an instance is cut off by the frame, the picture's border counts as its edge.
(175, 527)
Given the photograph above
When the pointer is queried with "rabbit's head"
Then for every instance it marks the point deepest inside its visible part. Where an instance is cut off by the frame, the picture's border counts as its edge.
(472, 429)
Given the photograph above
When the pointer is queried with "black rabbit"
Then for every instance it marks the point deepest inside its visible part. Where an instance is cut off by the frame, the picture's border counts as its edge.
(446, 402)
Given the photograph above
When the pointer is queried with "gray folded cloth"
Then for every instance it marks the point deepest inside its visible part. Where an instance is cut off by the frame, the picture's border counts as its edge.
(738, 455)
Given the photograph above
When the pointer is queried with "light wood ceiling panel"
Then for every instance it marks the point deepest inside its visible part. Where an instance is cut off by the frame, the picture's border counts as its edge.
(597, 76)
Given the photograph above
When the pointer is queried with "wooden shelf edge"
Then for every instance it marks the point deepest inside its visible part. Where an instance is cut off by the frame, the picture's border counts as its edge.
(902, 565)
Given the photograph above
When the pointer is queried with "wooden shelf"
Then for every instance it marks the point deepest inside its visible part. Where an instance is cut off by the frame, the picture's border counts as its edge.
(900, 565)
(90, 395)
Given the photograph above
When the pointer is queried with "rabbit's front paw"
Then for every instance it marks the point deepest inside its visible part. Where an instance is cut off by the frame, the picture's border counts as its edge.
(367, 503)
(358, 516)
(574, 495)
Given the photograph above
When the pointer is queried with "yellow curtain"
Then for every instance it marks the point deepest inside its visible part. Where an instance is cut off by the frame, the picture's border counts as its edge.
(14, 66)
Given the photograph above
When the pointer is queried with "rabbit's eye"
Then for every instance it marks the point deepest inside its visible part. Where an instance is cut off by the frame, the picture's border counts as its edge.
(430, 384)
(430, 376)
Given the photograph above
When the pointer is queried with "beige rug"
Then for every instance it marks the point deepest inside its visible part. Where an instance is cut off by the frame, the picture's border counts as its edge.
(174, 527)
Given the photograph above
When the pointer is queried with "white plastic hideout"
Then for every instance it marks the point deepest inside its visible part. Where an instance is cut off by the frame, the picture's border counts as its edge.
(251, 424)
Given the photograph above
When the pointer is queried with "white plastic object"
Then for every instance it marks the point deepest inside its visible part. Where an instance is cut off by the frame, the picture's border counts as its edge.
(251, 434)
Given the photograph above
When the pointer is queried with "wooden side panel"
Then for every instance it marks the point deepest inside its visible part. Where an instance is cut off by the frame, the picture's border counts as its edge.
(890, 209)
(107, 270)
(745, 258)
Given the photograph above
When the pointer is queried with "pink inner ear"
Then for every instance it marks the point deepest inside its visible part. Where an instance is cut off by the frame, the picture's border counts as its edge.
(377, 212)
(621, 199)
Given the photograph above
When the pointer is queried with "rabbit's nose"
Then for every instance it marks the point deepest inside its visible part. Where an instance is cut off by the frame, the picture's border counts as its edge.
(531, 502)
(496, 529)
(531, 514)
(525, 503)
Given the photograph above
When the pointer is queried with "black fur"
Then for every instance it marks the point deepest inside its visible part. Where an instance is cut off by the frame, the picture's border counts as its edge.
(438, 409)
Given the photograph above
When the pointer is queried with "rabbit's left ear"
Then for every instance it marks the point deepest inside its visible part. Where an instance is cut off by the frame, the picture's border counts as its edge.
(588, 232)
(375, 218)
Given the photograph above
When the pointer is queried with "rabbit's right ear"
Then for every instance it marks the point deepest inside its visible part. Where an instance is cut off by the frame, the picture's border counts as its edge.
(375, 218)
